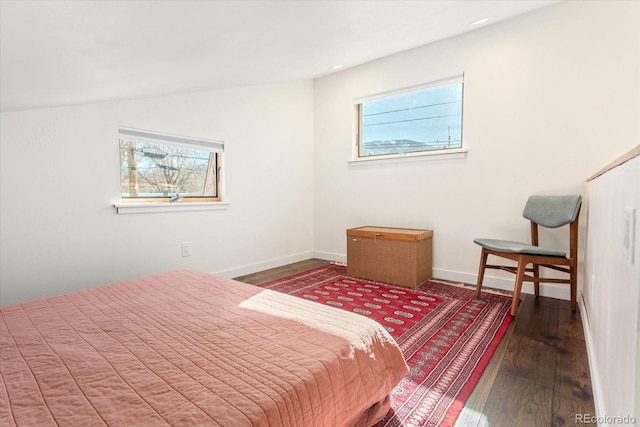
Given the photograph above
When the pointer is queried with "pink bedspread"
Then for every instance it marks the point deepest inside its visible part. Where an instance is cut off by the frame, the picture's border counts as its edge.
(186, 348)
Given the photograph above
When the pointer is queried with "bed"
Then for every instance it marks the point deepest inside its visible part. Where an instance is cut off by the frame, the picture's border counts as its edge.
(188, 348)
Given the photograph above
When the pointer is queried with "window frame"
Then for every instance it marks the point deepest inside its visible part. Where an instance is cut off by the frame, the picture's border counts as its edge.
(444, 153)
(169, 203)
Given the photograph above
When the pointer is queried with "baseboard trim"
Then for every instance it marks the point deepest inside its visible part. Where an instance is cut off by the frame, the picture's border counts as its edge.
(264, 265)
(552, 290)
(330, 256)
(594, 373)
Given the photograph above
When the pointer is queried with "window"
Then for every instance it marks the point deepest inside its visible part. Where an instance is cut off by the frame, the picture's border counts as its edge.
(418, 120)
(156, 167)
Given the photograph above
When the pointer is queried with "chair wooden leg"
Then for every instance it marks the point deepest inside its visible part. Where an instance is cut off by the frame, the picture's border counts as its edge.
(536, 285)
(483, 263)
(573, 271)
(518, 287)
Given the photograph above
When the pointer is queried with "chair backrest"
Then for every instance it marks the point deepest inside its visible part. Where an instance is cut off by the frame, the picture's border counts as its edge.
(552, 211)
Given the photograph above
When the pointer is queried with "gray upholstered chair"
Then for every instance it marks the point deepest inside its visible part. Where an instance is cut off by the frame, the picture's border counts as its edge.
(549, 212)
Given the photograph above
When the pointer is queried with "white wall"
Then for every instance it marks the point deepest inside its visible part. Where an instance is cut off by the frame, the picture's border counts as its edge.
(549, 97)
(60, 177)
(612, 291)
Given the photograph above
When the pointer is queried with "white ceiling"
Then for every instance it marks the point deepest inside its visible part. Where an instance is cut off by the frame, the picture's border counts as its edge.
(69, 52)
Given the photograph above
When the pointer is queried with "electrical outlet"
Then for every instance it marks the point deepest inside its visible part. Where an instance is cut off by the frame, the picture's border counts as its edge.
(629, 233)
(186, 249)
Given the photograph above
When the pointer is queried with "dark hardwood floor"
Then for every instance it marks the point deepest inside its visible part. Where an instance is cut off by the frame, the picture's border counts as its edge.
(538, 376)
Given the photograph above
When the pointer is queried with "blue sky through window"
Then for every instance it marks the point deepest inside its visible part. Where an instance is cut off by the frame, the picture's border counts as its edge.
(418, 121)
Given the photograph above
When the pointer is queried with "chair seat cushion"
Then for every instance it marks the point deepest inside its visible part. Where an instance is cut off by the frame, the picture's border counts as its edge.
(517, 247)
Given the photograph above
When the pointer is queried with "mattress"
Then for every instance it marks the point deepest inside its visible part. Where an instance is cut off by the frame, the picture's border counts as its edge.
(188, 348)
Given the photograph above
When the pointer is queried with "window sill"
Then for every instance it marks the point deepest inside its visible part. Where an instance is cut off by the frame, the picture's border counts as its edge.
(459, 153)
(136, 208)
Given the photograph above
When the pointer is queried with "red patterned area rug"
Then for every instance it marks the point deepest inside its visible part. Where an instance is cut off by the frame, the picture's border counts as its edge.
(447, 336)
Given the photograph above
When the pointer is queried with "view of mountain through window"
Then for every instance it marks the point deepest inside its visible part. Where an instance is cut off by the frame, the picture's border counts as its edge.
(425, 120)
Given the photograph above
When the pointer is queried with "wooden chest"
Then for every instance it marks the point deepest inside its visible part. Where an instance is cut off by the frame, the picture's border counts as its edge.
(394, 255)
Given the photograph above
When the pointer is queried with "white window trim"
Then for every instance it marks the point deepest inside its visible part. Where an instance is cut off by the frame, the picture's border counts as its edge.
(455, 153)
(457, 78)
(165, 138)
(137, 208)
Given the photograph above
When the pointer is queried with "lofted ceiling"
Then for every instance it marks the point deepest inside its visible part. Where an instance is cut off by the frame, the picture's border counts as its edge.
(71, 52)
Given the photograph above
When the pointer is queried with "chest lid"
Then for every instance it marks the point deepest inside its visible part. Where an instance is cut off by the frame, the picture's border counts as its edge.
(389, 233)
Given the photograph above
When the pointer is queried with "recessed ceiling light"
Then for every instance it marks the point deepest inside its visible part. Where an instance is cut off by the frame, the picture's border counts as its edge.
(479, 21)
